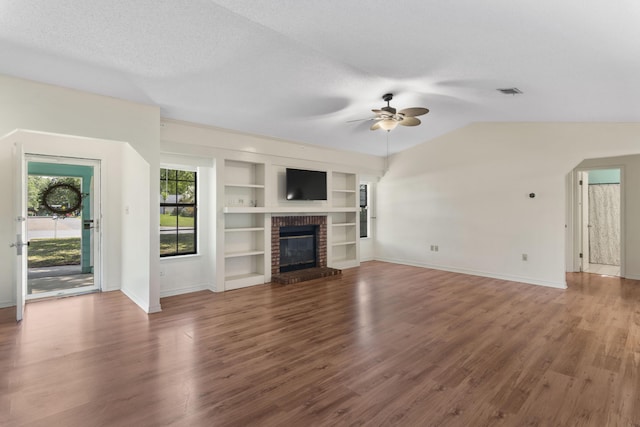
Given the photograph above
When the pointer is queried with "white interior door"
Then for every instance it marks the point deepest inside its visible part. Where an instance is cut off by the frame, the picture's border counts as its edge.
(20, 218)
(584, 215)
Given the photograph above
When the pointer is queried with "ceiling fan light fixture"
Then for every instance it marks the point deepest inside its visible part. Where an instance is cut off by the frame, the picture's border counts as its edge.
(388, 124)
(388, 118)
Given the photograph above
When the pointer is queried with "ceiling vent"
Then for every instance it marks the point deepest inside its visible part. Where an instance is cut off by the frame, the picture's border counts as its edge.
(511, 91)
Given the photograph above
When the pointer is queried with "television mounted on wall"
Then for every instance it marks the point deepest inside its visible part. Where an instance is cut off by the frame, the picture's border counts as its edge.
(306, 184)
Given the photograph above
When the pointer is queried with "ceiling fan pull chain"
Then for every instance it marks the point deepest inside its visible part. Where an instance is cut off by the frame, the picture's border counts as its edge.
(386, 159)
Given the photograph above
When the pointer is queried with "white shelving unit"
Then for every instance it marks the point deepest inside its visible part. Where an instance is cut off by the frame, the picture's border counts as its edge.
(244, 224)
(248, 203)
(344, 190)
(344, 221)
(244, 184)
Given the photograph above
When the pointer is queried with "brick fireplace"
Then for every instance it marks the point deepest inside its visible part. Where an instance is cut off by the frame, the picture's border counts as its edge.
(319, 224)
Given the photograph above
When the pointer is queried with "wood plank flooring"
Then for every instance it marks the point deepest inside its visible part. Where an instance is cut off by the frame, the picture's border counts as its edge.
(383, 345)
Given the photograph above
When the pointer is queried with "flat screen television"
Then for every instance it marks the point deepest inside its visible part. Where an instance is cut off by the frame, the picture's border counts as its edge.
(306, 185)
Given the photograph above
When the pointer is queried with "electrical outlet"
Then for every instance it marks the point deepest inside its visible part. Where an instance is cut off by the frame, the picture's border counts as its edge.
(525, 257)
(437, 248)
(161, 273)
(432, 248)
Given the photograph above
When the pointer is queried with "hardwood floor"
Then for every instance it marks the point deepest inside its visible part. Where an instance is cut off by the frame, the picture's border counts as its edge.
(607, 270)
(383, 345)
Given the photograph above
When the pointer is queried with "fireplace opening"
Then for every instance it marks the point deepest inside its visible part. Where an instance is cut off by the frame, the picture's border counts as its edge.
(298, 247)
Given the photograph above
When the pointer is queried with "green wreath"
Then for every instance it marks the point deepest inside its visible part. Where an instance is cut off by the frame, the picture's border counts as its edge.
(62, 191)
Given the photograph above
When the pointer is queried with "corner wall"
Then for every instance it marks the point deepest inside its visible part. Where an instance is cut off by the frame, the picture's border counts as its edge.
(468, 193)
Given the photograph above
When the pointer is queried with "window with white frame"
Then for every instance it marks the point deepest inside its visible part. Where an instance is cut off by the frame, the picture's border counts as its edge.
(178, 212)
(365, 218)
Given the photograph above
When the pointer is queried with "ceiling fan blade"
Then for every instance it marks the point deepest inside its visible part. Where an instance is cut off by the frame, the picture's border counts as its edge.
(375, 126)
(361, 120)
(415, 111)
(409, 121)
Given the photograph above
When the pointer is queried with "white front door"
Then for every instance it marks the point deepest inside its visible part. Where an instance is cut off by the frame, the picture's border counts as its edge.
(20, 217)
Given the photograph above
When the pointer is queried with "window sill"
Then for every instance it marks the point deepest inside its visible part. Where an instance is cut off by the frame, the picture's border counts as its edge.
(179, 257)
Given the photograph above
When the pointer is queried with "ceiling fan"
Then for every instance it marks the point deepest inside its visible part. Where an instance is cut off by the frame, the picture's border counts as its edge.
(387, 118)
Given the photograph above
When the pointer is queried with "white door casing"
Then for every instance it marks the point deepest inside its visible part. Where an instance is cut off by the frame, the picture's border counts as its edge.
(94, 200)
(584, 221)
(20, 219)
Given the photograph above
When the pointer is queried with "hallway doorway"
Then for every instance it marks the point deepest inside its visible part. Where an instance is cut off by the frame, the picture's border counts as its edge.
(600, 221)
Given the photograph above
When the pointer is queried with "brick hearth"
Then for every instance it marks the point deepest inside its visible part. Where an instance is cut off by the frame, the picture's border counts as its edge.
(297, 276)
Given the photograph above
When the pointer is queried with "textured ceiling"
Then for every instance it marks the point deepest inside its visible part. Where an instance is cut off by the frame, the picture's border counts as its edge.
(301, 70)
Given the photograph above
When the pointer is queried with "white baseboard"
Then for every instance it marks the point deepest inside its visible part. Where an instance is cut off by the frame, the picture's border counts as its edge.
(5, 304)
(155, 309)
(631, 276)
(213, 288)
(528, 280)
(135, 299)
(186, 290)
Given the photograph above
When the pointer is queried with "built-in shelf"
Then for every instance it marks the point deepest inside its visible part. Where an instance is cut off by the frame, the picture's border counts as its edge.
(343, 243)
(243, 253)
(339, 261)
(344, 254)
(243, 209)
(249, 200)
(344, 181)
(238, 230)
(243, 280)
(344, 189)
(242, 276)
(344, 223)
(346, 209)
(245, 185)
(244, 226)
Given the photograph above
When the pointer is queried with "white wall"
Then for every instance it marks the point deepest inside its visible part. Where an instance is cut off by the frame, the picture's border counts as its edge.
(134, 234)
(631, 203)
(45, 108)
(467, 192)
(206, 141)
